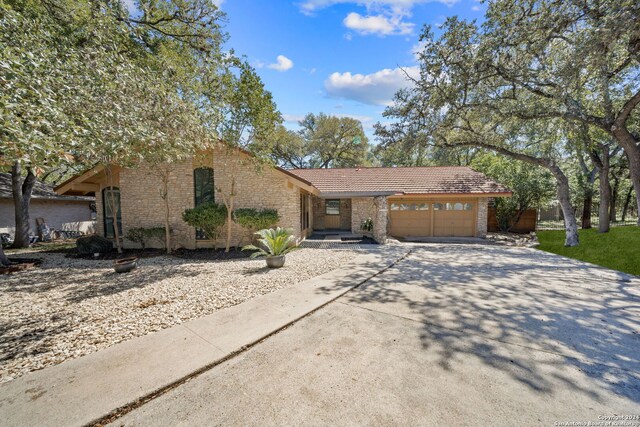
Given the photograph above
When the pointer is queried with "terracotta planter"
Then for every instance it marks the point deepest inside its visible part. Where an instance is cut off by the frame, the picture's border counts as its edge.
(125, 265)
(275, 261)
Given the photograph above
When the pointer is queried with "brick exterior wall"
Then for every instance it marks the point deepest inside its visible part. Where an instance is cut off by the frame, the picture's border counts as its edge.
(143, 206)
(381, 219)
(256, 187)
(481, 223)
(361, 209)
(318, 208)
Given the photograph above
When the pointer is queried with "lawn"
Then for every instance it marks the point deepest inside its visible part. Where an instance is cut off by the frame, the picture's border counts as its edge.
(618, 249)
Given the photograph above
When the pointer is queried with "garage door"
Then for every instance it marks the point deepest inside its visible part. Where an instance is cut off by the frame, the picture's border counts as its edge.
(410, 218)
(453, 219)
(426, 218)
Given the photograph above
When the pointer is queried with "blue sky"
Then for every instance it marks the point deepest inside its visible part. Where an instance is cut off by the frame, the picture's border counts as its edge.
(335, 56)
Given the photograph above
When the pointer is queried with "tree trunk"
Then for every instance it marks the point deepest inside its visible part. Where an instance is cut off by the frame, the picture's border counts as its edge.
(605, 190)
(613, 205)
(167, 213)
(586, 209)
(632, 150)
(21, 199)
(564, 197)
(627, 202)
(114, 208)
(230, 204)
(4, 261)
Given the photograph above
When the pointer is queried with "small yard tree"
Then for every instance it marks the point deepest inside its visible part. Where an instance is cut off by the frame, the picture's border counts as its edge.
(531, 185)
(246, 114)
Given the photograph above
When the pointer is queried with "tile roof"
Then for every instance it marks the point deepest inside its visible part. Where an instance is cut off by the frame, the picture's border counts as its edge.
(401, 180)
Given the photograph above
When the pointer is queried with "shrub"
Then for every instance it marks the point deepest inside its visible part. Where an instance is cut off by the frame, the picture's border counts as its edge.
(367, 225)
(142, 235)
(278, 241)
(92, 244)
(209, 217)
(256, 219)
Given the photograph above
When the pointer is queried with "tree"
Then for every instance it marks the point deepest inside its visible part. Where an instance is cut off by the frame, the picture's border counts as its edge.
(80, 77)
(334, 141)
(323, 141)
(246, 117)
(575, 61)
(531, 186)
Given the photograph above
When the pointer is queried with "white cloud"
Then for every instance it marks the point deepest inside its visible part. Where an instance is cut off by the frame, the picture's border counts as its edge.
(292, 118)
(282, 64)
(360, 117)
(309, 7)
(383, 17)
(476, 8)
(377, 24)
(375, 89)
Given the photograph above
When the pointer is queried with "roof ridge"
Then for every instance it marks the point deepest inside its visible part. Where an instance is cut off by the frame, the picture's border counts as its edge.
(377, 167)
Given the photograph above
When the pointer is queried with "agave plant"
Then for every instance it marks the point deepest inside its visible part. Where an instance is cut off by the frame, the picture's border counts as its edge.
(274, 242)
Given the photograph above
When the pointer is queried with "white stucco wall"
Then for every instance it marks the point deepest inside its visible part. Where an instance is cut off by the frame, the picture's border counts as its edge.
(59, 215)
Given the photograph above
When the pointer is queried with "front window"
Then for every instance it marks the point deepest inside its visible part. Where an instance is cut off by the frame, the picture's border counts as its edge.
(204, 191)
(111, 211)
(203, 186)
(332, 207)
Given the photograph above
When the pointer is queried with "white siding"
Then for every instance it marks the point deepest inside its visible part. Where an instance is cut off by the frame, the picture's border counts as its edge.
(58, 214)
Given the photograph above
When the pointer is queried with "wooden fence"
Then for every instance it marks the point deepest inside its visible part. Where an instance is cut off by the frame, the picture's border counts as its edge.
(526, 223)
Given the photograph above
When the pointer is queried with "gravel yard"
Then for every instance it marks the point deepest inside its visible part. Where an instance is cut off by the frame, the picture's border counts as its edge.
(68, 307)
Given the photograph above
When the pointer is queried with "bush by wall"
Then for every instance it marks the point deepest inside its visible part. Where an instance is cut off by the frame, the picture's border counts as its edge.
(209, 217)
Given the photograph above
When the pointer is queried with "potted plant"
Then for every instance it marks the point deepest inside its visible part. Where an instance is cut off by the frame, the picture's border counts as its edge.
(276, 243)
(125, 265)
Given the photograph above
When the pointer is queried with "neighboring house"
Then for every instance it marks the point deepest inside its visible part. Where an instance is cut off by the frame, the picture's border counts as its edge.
(69, 213)
(403, 202)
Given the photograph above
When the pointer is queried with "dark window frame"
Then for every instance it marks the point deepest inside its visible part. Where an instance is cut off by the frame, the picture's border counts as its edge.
(326, 206)
(198, 196)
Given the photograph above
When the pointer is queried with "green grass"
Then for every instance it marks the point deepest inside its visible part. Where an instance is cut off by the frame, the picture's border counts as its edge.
(619, 249)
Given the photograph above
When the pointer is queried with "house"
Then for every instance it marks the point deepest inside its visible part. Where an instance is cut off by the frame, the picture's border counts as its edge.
(407, 202)
(402, 202)
(60, 212)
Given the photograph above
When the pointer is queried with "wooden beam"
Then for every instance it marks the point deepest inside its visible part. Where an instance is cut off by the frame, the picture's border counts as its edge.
(85, 188)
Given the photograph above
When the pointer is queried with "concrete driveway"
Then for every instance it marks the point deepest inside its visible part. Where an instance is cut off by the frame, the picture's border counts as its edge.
(452, 335)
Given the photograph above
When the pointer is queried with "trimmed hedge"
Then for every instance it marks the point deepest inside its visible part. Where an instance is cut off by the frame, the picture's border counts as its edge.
(256, 219)
(209, 217)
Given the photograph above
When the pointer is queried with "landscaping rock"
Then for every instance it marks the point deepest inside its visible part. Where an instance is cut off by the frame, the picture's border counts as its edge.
(72, 306)
(92, 244)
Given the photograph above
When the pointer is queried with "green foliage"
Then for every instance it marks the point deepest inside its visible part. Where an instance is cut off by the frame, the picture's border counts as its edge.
(367, 225)
(83, 81)
(531, 186)
(256, 219)
(209, 217)
(323, 141)
(273, 242)
(142, 235)
(618, 249)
